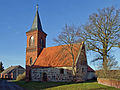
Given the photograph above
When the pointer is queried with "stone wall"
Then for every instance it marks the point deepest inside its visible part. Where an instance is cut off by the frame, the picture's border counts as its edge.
(81, 73)
(81, 66)
(53, 74)
(91, 75)
(112, 83)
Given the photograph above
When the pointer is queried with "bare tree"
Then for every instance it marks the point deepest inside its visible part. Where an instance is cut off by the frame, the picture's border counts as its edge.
(102, 33)
(67, 39)
(113, 69)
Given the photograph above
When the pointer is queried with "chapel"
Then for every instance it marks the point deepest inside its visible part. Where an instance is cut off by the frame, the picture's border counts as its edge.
(52, 63)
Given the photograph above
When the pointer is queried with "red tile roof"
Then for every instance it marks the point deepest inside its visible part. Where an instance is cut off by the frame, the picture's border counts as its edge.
(57, 56)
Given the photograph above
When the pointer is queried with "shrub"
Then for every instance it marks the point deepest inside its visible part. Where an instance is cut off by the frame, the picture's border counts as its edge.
(21, 77)
(109, 74)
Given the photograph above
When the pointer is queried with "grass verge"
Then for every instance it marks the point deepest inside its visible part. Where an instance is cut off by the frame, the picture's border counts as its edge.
(62, 86)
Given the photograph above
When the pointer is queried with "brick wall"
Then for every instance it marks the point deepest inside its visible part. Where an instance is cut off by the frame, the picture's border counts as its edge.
(112, 83)
(34, 50)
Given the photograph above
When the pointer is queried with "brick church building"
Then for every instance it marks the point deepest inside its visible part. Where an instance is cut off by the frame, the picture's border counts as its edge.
(52, 64)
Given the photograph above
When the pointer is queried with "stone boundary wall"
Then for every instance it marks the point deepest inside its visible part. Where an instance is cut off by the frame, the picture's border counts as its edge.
(112, 83)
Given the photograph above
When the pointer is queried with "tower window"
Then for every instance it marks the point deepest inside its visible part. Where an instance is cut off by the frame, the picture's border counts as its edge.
(31, 41)
(61, 71)
(41, 43)
(31, 60)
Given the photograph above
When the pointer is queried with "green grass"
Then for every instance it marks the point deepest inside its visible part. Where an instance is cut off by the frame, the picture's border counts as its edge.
(62, 86)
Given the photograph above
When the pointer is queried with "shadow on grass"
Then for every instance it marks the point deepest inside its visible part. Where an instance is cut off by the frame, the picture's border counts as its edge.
(93, 80)
(44, 85)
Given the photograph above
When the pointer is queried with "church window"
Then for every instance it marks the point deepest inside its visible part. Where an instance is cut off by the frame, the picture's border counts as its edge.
(82, 70)
(61, 71)
(31, 60)
(41, 43)
(31, 41)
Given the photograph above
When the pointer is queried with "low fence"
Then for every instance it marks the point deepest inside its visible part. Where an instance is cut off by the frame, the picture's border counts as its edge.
(112, 83)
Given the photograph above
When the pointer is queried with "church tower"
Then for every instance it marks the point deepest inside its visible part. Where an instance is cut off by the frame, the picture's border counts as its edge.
(36, 41)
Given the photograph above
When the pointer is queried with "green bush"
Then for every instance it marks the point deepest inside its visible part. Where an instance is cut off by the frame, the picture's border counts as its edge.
(109, 74)
(21, 77)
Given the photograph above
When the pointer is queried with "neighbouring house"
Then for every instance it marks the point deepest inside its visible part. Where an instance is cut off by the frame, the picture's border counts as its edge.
(12, 72)
(52, 63)
(90, 73)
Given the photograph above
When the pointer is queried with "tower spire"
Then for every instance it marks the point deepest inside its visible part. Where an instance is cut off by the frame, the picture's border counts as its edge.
(36, 23)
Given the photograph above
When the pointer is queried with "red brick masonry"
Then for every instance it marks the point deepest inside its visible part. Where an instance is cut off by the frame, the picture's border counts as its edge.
(112, 83)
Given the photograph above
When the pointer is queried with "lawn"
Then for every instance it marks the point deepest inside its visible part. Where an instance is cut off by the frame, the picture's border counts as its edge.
(62, 86)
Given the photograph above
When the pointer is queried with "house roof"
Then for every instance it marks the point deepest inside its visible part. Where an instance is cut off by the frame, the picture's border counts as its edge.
(90, 69)
(10, 69)
(58, 56)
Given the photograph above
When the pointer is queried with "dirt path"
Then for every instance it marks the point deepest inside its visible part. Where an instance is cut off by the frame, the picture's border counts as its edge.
(5, 85)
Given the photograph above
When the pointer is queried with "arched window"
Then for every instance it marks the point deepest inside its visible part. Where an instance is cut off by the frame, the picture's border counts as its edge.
(42, 43)
(31, 41)
(31, 60)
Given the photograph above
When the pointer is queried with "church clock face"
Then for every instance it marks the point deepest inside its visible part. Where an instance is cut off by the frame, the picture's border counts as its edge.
(31, 41)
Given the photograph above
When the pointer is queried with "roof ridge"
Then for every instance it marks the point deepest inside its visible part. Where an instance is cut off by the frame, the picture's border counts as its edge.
(63, 45)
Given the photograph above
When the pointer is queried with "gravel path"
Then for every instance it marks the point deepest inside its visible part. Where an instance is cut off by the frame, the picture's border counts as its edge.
(6, 85)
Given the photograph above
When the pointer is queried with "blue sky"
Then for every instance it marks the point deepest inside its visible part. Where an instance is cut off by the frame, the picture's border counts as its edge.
(16, 18)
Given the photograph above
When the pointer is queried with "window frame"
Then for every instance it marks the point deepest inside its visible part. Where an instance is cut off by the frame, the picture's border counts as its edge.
(31, 41)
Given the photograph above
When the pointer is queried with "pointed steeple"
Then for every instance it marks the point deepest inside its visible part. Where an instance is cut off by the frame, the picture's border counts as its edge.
(36, 23)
